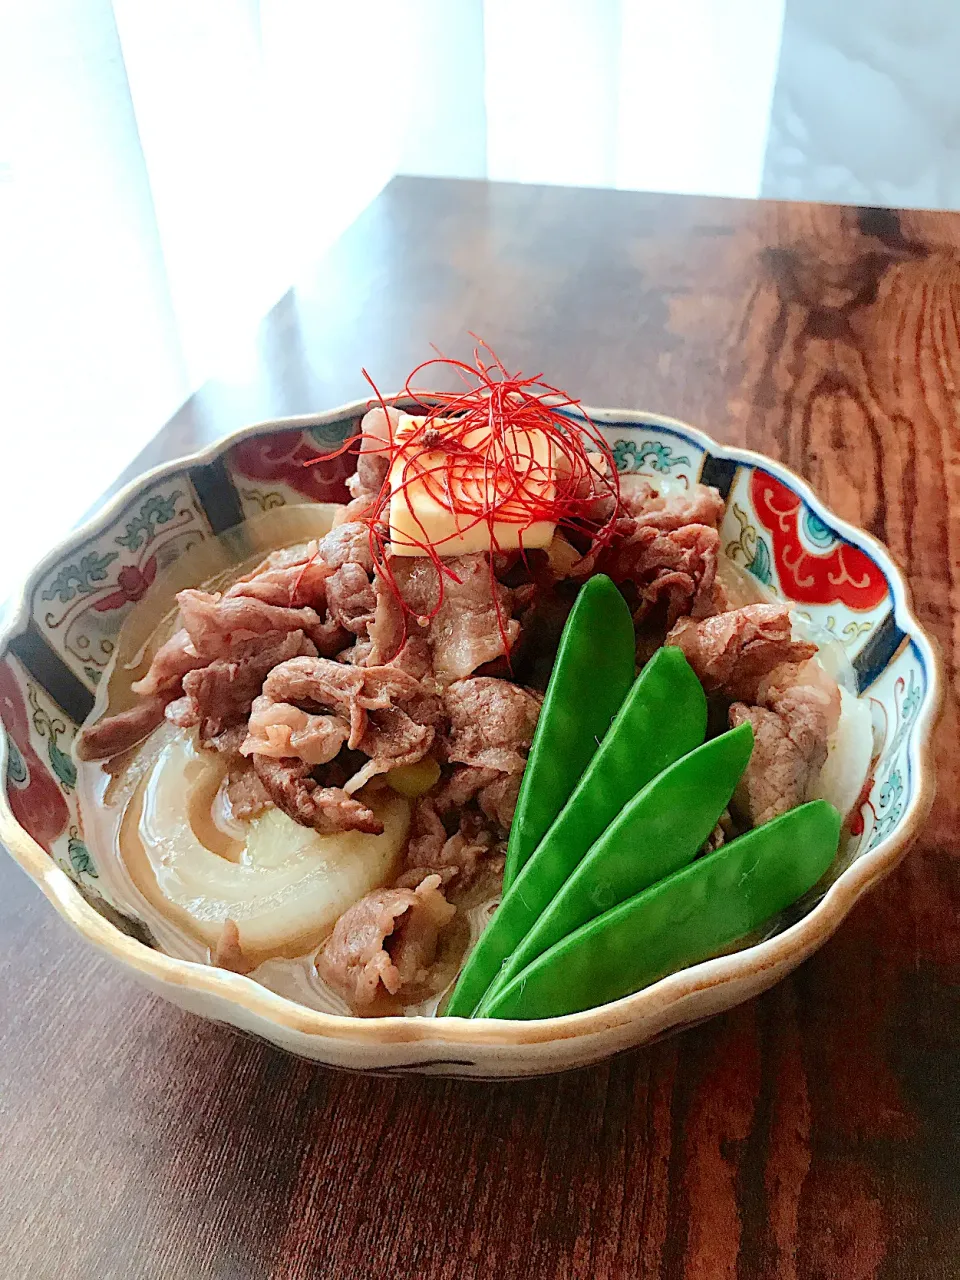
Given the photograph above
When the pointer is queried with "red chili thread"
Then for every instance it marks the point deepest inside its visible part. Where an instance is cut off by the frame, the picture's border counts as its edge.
(295, 589)
(471, 444)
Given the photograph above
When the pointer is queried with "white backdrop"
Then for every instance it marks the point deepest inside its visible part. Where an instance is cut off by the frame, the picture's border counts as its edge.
(867, 104)
(168, 170)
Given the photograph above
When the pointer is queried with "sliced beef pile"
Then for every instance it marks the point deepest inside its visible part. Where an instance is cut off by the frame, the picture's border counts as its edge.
(311, 707)
(170, 664)
(733, 651)
(346, 543)
(246, 794)
(376, 429)
(216, 625)
(313, 677)
(675, 568)
(468, 816)
(461, 826)
(351, 598)
(210, 670)
(117, 733)
(700, 504)
(665, 552)
(492, 723)
(290, 784)
(462, 621)
(748, 659)
(798, 709)
(386, 942)
(218, 697)
(288, 578)
(321, 669)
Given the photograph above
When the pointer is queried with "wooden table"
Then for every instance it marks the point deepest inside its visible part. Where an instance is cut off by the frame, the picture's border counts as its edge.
(810, 1134)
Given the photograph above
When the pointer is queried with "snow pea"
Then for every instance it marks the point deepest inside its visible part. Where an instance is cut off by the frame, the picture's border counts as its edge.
(662, 718)
(689, 917)
(657, 833)
(592, 673)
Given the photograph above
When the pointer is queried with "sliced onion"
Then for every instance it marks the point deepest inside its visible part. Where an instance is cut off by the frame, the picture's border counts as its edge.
(831, 654)
(288, 885)
(741, 587)
(849, 752)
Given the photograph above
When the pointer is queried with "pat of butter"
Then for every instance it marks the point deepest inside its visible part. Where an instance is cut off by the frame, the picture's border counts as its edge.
(420, 514)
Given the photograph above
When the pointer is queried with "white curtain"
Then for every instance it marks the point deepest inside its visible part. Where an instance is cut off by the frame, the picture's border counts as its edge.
(168, 170)
(659, 95)
(867, 108)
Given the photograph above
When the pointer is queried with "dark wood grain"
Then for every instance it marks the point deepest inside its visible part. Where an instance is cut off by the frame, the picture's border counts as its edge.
(809, 1135)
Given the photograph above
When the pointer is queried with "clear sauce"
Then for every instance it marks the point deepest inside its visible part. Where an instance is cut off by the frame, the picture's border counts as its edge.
(112, 793)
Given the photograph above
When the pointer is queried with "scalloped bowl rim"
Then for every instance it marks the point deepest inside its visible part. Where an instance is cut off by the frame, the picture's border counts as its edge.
(794, 943)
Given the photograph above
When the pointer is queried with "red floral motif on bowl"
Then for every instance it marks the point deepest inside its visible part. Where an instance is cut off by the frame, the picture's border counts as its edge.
(843, 573)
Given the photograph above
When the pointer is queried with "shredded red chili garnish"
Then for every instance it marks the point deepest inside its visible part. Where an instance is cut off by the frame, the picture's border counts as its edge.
(473, 451)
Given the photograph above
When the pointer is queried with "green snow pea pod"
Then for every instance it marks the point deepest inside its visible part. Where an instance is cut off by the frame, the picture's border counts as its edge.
(590, 678)
(684, 919)
(662, 718)
(657, 833)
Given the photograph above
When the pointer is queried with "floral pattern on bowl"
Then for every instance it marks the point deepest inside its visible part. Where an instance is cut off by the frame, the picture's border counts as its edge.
(79, 603)
(41, 775)
(61, 639)
(272, 470)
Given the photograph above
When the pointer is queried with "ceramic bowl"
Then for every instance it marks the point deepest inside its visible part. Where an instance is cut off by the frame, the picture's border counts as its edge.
(63, 633)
